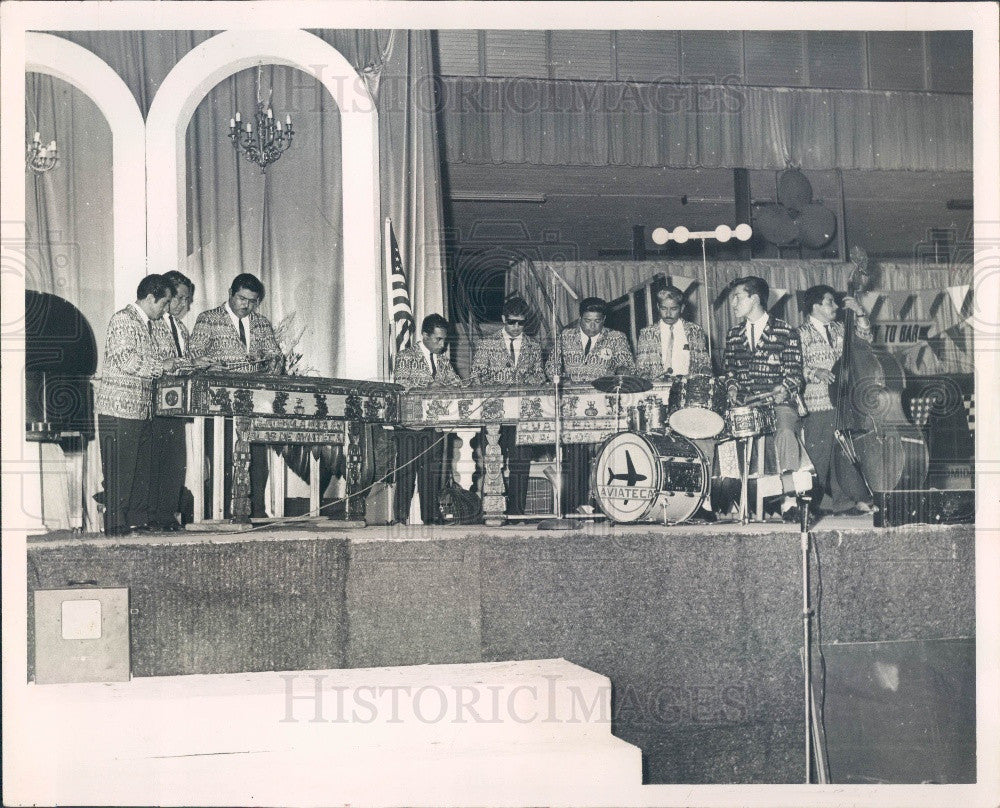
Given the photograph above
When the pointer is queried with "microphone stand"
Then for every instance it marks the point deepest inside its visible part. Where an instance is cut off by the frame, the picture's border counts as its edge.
(812, 726)
(558, 522)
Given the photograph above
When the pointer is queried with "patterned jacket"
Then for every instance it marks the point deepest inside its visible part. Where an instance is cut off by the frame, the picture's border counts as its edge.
(650, 358)
(165, 338)
(609, 354)
(215, 337)
(412, 370)
(818, 354)
(776, 360)
(491, 365)
(132, 359)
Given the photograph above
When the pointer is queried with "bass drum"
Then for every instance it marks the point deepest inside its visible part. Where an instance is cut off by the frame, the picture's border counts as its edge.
(649, 478)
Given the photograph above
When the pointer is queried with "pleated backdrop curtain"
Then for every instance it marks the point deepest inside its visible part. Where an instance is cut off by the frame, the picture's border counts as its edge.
(285, 225)
(544, 122)
(901, 291)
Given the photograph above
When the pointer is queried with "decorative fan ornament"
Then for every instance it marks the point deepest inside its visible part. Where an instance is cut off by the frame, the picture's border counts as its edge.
(795, 218)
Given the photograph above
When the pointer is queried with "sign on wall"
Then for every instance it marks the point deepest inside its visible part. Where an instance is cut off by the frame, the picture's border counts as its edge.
(895, 334)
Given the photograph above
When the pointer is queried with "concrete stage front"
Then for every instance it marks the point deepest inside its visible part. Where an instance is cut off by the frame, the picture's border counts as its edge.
(699, 628)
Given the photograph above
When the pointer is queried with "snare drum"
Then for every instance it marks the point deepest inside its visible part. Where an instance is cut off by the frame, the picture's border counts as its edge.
(697, 407)
(749, 422)
(649, 478)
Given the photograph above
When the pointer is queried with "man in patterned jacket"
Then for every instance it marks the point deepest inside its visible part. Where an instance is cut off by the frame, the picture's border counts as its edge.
(510, 358)
(234, 337)
(586, 352)
(763, 356)
(672, 346)
(822, 339)
(419, 452)
(132, 359)
(169, 448)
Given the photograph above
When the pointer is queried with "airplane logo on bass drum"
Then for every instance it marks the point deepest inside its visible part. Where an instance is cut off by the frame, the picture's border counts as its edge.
(631, 476)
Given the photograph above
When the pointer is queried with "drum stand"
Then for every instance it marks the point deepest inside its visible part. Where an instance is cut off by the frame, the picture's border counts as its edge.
(558, 522)
(744, 478)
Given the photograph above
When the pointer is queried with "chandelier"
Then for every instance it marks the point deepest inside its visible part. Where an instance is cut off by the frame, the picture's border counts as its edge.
(41, 158)
(264, 140)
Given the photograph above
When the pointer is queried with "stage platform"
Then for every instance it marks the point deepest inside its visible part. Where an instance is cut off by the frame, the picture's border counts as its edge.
(698, 627)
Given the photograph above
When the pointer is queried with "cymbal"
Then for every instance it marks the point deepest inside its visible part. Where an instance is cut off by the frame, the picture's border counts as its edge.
(623, 384)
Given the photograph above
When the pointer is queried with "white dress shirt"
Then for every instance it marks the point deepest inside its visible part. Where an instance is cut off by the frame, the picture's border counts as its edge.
(759, 326)
(517, 341)
(679, 359)
(236, 324)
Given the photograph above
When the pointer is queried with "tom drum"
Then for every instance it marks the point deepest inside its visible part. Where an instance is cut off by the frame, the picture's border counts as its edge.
(697, 407)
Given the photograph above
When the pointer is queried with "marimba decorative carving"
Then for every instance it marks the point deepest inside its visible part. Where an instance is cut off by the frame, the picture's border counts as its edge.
(283, 410)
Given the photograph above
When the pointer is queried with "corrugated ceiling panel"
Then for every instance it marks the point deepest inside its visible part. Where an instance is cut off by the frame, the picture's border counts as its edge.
(896, 60)
(517, 53)
(459, 53)
(774, 58)
(648, 55)
(712, 56)
(581, 55)
(836, 59)
(949, 54)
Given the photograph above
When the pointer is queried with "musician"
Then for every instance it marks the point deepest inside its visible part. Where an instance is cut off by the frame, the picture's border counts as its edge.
(508, 359)
(132, 359)
(168, 445)
(763, 357)
(236, 338)
(822, 339)
(672, 346)
(419, 452)
(676, 348)
(586, 351)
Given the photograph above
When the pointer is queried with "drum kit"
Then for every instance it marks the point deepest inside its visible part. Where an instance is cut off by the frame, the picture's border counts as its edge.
(654, 471)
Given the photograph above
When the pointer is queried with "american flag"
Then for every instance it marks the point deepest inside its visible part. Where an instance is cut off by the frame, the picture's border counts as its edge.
(920, 409)
(400, 313)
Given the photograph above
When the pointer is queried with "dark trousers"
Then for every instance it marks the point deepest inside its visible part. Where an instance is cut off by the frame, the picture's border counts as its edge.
(819, 427)
(125, 462)
(577, 462)
(411, 445)
(169, 465)
(518, 467)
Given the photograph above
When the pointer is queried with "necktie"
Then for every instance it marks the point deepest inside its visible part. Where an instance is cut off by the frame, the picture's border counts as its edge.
(434, 370)
(513, 357)
(149, 327)
(177, 339)
(829, 336)
(243, 336)
(586, 349)
(753, 339)
(668, 350)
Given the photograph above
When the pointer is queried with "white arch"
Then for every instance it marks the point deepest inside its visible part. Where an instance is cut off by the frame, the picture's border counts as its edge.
(166, 127)
(76, 65)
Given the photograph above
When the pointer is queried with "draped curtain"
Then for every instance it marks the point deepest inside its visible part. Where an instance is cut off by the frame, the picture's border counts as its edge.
(901, 291)
(545, 122)
(285, 225)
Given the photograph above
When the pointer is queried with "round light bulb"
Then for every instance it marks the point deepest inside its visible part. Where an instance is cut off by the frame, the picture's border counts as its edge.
(681, 234)
(660, 235)
(723, 233)
(743, 232)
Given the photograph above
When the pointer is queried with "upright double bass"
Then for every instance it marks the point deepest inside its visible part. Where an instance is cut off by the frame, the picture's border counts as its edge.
(877, 449)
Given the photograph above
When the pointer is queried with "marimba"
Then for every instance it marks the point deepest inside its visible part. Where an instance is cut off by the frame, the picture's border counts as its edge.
(303, 410)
